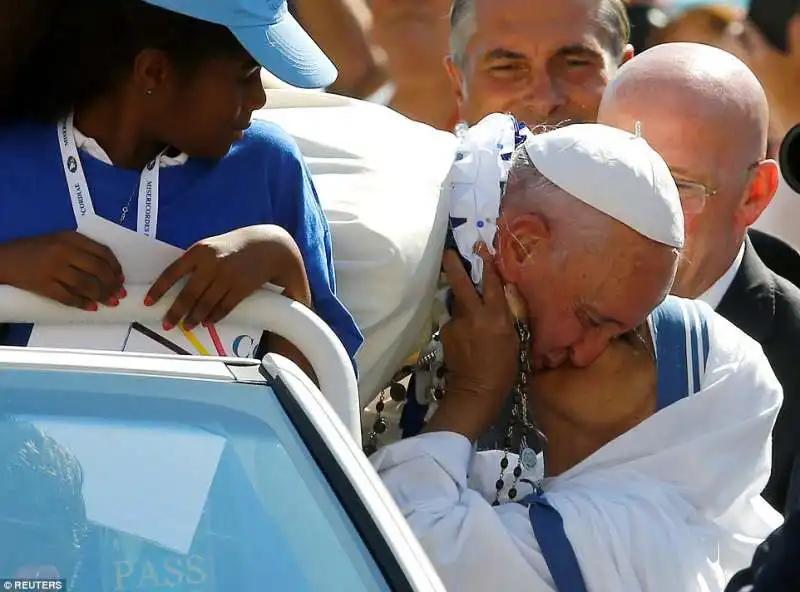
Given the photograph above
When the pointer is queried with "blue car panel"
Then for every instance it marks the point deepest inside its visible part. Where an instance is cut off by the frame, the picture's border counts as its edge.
(163, 492)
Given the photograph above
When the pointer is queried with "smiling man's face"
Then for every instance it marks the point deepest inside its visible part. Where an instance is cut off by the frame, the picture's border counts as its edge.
(545, 62)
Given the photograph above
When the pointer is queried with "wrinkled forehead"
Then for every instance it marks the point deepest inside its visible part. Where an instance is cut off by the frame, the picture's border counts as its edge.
(537, 27)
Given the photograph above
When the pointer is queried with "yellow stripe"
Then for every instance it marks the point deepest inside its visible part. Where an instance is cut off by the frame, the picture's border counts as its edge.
(193, 340)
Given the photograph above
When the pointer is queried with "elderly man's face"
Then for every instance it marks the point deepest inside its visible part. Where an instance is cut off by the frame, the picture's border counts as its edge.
(544, 62)
(581, 290)
(578, 305)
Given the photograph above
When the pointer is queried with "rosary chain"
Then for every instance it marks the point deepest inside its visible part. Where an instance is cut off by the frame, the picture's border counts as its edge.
(519, 416)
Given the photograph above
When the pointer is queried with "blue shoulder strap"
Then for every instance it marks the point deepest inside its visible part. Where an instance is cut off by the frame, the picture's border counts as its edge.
(680, 334)
(548, 528)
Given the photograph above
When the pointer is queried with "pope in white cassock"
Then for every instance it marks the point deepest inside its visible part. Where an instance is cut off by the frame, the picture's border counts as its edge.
(657, 428)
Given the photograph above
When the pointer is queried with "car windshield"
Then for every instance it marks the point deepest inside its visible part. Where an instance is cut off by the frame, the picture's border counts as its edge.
(143, 493)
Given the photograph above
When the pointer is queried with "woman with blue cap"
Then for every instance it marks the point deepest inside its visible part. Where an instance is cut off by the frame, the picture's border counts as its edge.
(137, 113)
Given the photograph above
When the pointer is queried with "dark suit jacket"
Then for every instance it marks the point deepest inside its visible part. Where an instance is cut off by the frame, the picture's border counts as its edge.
(775, 567)
(767, 307)
(778, 255)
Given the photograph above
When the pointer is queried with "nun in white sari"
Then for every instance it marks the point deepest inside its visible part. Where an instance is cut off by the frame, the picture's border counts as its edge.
(670, 503)
(654, 460)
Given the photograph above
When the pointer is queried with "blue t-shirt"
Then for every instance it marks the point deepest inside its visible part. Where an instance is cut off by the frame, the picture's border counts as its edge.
(262, 180)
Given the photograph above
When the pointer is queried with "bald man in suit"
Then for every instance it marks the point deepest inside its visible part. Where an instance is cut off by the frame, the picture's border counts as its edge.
(707, 115)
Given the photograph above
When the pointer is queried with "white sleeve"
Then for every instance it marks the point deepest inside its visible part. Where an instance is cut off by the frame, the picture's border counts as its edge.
(473, 545)
(387, 226)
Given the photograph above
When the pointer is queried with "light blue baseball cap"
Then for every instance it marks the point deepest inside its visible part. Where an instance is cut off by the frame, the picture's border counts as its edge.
(269, 33)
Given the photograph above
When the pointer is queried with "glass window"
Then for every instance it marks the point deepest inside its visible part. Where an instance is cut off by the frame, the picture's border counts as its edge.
(143, 493)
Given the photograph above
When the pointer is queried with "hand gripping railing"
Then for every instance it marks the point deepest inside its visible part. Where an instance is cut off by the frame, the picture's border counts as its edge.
(265, 309)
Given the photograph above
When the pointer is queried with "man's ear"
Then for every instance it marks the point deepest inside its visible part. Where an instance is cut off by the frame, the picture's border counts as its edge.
(759, 192)
(458, 83)
(519, 241)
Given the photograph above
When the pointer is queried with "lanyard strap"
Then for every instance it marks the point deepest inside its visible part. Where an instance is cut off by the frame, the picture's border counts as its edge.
(80, 196)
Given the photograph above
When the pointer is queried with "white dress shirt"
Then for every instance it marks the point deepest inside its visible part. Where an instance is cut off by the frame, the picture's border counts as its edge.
(714, 295)
(673, 504)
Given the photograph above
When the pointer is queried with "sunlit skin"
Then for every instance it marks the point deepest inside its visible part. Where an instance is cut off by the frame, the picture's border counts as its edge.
(545, 62)
(583, 409)
(706, 114)
(709, 24)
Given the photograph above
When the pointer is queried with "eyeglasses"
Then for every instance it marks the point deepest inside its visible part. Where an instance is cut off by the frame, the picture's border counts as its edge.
(694, 194)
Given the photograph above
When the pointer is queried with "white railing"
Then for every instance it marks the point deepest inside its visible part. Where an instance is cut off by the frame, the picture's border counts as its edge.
(265, 309)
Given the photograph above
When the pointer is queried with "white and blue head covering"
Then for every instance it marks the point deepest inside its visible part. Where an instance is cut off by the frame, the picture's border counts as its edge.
(609, 169)
(477, 182)
(679, 330)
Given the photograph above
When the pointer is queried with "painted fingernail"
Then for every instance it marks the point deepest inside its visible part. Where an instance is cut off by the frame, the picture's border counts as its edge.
(122, 293)
(92, 307)
(113, 302)
(122, 278)
(188, 326)
(148, 301)
(167, 326)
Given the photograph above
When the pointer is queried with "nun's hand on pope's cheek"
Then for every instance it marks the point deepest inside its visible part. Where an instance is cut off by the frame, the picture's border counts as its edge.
(67, 267)
(481, 351)
(223, 270)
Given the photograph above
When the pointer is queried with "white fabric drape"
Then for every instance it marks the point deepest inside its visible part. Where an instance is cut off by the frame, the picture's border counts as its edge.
(673, 504)
(378, 176)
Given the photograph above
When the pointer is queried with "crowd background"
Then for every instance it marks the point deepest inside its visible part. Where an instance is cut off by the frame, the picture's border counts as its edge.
(393, 53)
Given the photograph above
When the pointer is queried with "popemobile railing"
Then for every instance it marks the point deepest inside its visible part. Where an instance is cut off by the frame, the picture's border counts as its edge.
(265, 309)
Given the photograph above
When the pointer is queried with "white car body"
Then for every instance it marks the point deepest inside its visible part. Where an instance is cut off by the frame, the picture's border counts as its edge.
(254, 390)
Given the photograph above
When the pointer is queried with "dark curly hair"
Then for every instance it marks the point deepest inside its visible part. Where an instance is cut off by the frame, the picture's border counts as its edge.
(57, 55)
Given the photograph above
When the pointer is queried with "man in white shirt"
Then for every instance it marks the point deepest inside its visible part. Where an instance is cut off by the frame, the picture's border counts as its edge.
(707, 115)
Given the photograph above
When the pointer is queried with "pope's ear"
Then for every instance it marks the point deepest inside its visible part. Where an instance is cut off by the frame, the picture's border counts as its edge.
(518, 240)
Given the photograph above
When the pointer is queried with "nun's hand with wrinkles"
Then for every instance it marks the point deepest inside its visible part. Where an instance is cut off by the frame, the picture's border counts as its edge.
(481, 351)
(222, 271)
